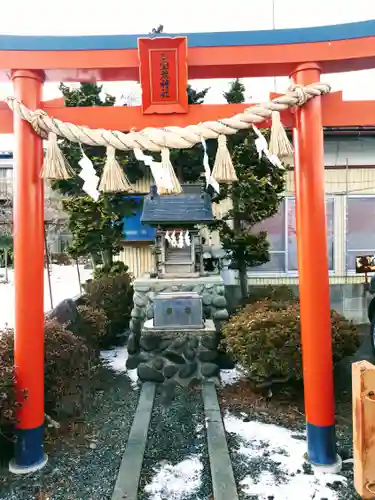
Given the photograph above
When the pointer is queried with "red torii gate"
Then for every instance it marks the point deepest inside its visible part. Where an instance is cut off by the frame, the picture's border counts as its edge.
(302, 54)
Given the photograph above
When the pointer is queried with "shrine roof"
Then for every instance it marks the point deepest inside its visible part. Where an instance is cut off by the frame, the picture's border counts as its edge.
(191, 207)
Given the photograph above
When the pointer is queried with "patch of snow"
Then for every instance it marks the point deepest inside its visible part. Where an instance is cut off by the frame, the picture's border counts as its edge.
(265, 443)
(230, 377)
(176, 482)
(64, 285)
(116, 359)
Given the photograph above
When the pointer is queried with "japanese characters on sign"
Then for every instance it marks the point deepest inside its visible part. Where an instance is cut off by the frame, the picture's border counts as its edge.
(163, 74)
(164, 79)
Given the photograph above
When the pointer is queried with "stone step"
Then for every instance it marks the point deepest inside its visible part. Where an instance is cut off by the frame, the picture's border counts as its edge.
(223, 483)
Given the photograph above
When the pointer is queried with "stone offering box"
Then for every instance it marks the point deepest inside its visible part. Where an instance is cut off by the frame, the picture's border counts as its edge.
(178, 310)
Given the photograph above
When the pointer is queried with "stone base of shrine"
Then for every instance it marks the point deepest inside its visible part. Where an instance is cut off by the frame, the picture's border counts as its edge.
(183, 356)
(210, 288)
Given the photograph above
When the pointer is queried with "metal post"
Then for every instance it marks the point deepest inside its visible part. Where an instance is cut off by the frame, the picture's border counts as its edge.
(48, 262)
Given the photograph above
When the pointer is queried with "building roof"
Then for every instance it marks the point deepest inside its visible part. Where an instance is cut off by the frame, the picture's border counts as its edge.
(191, 207)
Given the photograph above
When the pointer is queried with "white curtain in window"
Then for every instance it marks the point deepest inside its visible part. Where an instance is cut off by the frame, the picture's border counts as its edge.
(292, 234)
(282, 236)
(360, 229)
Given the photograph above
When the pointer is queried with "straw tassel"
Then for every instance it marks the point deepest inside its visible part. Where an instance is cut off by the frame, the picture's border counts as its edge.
(113, 179)
(55, 165)
(167, 170)
(279, 144)
(223, 170)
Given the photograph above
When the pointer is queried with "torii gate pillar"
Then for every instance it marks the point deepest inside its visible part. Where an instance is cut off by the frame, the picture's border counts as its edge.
(314, 276)
(29, 279)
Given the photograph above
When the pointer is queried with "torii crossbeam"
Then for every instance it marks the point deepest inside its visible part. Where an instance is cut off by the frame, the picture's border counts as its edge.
(302, 54)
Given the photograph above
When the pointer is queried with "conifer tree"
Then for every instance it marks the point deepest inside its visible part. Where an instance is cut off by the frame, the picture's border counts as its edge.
(255, 197)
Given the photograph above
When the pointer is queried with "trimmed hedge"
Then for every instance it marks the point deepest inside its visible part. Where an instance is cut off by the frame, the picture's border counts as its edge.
(91, 325)
(61, 259)
(281, 293)
(69, 369)
(72, 361)
(264, 337)
(114, 295)
(7, 392)
(112, 270)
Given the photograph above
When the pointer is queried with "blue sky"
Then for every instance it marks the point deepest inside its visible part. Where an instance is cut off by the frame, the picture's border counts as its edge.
(75, 17)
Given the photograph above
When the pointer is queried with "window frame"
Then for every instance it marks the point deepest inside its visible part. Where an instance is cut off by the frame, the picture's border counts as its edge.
(348, 271)
(252, 273)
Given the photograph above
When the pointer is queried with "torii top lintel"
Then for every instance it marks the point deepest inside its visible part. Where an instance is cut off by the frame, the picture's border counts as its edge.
(337, 48)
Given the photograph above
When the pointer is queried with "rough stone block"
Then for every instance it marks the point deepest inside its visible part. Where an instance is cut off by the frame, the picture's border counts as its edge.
(65, 312)
(180, 356)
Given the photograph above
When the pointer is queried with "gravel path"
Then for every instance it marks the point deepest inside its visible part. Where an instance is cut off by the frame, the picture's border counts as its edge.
(176, 465)
(83, 467)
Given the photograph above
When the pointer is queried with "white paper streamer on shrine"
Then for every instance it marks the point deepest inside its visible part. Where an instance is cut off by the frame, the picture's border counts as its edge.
(181, 241)
(187, 239)
(173, 240)
(88, 174)
(210, 181)
(262, 148)
(160, 175)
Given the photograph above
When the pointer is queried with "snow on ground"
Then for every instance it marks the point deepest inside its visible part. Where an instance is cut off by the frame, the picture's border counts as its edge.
(116, 359)
(275, 457)
(230, 377)
(180, 481)
(64, 284)
(176, 482)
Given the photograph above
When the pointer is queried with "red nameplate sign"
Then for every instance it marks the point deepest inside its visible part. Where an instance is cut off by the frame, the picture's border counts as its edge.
(163, 74)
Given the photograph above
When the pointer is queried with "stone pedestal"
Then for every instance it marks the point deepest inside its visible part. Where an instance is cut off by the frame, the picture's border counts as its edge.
(211, 288)
(181, 356)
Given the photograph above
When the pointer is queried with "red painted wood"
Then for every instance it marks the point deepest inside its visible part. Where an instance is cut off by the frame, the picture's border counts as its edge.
(172, 54)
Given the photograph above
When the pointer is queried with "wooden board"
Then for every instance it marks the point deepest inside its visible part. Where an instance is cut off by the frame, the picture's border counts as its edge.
(363, 380)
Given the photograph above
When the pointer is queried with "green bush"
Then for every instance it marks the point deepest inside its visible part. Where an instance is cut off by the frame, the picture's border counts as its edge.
(113, 294)
(282, 293)
(113, 270)
(7, 392)
(61, 259)
(264, 337)
(91, 325)
(69, 371)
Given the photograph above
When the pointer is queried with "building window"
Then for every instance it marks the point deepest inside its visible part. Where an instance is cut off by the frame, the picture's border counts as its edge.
(6, 171)
(282, 236)
(360, 234)
(6, 181)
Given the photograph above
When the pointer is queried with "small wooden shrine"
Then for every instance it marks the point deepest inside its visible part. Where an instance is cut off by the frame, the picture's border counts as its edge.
(178, 243)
